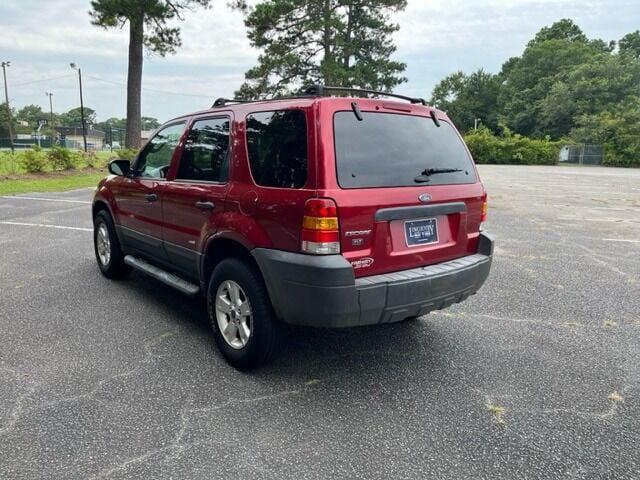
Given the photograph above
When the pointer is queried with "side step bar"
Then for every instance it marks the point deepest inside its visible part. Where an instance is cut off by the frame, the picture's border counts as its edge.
(162, 275)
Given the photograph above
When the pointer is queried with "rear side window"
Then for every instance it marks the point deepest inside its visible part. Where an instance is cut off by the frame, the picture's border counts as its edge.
(206, 152)
(392, 150)
(277, 146)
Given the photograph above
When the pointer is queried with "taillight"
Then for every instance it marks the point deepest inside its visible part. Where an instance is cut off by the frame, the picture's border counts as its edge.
(320, 228)
(483, 215)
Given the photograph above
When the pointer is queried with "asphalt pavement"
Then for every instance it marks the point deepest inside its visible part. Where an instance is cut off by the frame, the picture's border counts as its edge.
(535, 377)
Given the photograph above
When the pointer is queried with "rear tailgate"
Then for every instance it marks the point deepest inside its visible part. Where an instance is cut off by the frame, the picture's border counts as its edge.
(408, 193)
(376, 227)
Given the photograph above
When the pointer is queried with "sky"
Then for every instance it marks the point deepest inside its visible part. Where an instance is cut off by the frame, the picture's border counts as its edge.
(436, 38)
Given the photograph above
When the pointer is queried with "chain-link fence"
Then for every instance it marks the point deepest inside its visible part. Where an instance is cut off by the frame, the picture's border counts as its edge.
(582, 154)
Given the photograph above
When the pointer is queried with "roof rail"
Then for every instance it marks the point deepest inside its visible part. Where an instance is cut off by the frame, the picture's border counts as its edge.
(322, 90)
(221, 102)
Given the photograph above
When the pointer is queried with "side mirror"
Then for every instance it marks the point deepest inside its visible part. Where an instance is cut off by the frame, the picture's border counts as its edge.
(120, 167)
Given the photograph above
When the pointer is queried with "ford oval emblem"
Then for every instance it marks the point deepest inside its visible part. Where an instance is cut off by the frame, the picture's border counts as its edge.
(425, 198)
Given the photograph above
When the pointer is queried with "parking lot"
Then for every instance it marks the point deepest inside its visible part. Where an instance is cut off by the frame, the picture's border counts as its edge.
(536, 376)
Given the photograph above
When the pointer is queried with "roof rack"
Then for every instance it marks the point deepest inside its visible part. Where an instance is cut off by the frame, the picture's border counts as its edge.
(221, 102)
(322, 90)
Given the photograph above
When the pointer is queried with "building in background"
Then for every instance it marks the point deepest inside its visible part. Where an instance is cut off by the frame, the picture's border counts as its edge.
(71, 137)
(144, 136)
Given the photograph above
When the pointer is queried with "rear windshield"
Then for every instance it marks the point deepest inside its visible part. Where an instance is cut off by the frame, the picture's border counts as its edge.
(391, 150)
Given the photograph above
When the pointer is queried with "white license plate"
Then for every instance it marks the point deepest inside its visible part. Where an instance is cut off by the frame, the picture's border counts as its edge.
(421, 232)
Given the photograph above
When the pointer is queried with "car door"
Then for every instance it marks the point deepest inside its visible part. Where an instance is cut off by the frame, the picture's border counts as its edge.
(139, 198)
(193, 200)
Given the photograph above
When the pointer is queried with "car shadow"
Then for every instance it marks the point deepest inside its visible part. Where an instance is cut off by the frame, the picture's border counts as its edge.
(306, 352)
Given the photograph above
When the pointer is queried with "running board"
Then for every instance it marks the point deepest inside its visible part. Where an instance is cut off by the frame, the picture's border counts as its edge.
(162, 275)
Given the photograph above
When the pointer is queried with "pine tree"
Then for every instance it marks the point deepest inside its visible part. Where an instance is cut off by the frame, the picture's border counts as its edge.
(148, 27)
(335, 42)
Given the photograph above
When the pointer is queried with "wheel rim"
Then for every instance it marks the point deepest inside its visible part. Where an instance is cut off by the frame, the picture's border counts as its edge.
(233, 314)
(103, 245)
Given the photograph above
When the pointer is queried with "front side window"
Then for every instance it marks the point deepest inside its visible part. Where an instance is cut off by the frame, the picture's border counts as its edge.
(277, 146)
(206, 152)
(155, 158)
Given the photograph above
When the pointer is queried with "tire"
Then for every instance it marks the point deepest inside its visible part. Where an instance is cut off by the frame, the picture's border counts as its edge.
(112, 264)
(260, 346)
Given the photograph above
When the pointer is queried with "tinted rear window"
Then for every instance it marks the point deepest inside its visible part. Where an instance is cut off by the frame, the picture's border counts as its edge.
(390, 150)
(277, 145)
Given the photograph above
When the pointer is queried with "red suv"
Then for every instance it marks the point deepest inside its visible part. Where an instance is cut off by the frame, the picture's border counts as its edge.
(311, 210)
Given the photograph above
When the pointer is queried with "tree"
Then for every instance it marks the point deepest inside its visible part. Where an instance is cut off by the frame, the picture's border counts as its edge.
(563, 29)
(149, 123)
(113, 122)
(587, 89)
(5, 114)
(617, 128)
(527, 80)
(73, 117)
(630, 44)
(336, 42)
(466, 98)
(31, 114)
(160, 37)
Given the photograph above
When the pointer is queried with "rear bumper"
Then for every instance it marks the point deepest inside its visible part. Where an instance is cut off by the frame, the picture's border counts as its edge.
(321, 291)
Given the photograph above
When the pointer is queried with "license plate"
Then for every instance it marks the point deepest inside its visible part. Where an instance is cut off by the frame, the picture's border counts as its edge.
(421, 232)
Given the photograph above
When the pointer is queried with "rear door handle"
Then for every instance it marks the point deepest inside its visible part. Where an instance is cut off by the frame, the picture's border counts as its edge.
(205, 205)
(151, 197)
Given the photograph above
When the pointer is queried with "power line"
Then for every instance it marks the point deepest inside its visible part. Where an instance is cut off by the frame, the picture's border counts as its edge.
(41, 80)
(120, 84)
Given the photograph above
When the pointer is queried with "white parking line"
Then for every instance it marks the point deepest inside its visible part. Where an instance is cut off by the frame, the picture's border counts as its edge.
(64, 200)
(620, 240)
(43, 225)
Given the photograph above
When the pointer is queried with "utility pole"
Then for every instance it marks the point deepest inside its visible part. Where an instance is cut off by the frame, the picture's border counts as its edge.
(50, 95)
(6, 96)
(476, 121)
(84, 127)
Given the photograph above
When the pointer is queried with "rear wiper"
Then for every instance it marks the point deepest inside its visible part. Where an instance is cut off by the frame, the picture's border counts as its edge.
(426, 173)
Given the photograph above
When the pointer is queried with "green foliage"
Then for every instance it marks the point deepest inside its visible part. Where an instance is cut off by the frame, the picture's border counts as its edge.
(34, 160)
(149, 123)
(587, 89)
(529, 79)
(31, 114)
(73, 117)
(9, 163)
(617, 129)
(336, 42)
(61, 158)
(5, 114)
(511, 148)
(563, 29)
(563, 75)
(563, 86)
(630, 45)
(156, 15)
(150, 25)
(466, 98)
(125, 153)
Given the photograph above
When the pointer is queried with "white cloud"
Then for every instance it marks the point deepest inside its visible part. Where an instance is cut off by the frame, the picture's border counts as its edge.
(436, 38)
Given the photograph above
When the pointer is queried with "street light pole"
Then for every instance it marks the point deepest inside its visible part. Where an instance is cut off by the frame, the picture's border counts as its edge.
(6, 96)
(84, 127)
